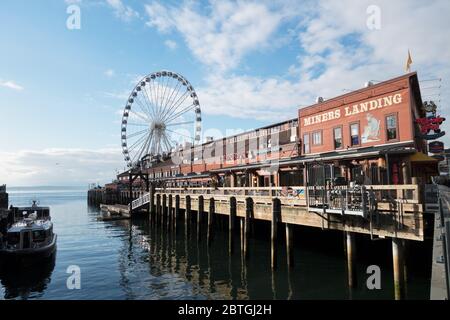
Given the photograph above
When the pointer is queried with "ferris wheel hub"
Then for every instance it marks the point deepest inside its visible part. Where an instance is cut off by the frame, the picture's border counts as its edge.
(158, 126)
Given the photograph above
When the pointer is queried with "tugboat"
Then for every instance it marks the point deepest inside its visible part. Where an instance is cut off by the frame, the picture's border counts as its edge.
(29, 234)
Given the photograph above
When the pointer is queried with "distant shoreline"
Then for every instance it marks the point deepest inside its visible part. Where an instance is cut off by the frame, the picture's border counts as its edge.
(24, 188)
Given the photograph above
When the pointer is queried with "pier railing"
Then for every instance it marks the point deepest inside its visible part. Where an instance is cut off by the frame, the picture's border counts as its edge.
(313, 194)
(239, 191)
(359, 200)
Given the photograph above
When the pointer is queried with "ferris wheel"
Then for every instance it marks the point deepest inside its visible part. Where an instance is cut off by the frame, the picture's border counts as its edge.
(161, 113)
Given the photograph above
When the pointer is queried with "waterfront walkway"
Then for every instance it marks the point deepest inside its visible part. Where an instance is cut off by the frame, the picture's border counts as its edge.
(439, 290)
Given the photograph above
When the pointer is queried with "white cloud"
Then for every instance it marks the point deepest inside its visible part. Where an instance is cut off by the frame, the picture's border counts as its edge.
(124, 95)
(339, 52)
(58, 166)
(172, 45)
(270, 99)
(110, 73)
(11, 85)
(222, 37)
(122, 11)
(160, 17)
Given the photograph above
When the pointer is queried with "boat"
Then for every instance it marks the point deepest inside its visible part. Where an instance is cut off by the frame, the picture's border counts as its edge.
(29, 234)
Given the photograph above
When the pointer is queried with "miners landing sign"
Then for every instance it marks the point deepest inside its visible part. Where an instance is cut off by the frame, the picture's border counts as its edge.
(348, 111)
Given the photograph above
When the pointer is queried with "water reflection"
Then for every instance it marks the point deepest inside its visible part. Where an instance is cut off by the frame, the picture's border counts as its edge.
(180, 266)
(207, 272)
(26, 281)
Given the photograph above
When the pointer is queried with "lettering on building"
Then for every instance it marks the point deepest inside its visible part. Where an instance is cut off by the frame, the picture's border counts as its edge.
(354, 110)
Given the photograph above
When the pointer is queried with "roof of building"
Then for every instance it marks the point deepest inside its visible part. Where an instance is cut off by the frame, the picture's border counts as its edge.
(413, 81)
(421, 157)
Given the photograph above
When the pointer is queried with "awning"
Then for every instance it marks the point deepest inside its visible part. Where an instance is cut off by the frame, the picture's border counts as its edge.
(421, 157)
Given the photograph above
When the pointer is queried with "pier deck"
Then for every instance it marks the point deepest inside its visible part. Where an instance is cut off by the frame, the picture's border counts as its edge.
(402, 218)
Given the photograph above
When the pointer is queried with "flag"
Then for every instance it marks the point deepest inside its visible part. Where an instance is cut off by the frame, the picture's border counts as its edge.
(409, 62)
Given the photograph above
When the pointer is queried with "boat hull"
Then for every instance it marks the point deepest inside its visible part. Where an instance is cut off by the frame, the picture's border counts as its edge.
(8, 255)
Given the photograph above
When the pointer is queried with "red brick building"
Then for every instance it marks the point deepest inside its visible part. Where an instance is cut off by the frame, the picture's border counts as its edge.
(368, 136)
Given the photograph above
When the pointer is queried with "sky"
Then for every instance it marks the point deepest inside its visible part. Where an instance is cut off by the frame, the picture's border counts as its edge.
(252, 63)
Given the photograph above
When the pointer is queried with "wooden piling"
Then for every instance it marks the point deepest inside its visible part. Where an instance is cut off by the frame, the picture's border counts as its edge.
(158, 207)
(199, 216)
(170, 211)
(405, 264)
(289, 245)
(232, 217)
(211, 213)
(351, 256)
(164, 210)
(177, 212)
(248, 215)
(398, 264)
(152, 199)
(164, 205)
(242, 234)
(187, 213)
(276, 211)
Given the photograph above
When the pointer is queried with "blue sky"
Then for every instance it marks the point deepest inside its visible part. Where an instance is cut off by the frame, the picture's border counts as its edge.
(251, 63)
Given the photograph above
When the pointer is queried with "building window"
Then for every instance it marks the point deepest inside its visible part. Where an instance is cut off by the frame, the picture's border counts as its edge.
(391, 127)
(306, 147)
(354, 134)
(337, 132)
(317, 138)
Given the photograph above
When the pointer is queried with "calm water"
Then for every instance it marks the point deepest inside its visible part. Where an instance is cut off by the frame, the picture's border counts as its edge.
(136, 260)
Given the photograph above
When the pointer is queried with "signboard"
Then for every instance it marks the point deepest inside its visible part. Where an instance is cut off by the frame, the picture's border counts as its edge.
(429, 124)
(431, 198)
(444, 169)
(429, 137)
(290, 192)
(436, 147)
(298, 193)
(439, 157)
(351, 110)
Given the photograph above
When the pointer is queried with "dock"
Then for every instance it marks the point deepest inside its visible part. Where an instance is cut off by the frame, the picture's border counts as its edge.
(114, 212)
(440, 266)
(399, 217)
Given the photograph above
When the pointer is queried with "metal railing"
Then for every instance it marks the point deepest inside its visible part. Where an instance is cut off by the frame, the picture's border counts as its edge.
(381, 193)
(356, 200)
(141, 201)
(239, 191)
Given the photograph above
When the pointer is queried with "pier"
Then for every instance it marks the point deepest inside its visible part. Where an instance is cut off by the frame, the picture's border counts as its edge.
(399, 220)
